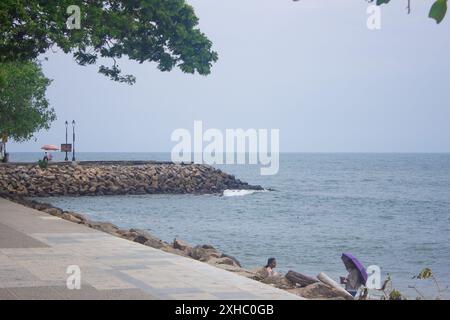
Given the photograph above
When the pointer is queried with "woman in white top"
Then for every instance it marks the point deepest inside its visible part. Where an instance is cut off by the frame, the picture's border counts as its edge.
(271, 264)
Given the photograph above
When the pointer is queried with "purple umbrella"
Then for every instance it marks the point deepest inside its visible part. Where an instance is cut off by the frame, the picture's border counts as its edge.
(349, 258)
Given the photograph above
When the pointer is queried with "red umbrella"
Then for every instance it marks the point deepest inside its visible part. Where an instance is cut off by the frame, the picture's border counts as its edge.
(49, 147)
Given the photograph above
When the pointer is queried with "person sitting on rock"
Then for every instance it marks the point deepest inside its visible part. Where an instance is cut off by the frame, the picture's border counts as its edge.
(45, 159)
(271, 264)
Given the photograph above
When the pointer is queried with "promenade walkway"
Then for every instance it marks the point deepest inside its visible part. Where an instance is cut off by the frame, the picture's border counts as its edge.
(36, 249)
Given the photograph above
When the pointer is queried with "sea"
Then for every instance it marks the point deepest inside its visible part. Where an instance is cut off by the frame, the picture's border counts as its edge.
(388, 210)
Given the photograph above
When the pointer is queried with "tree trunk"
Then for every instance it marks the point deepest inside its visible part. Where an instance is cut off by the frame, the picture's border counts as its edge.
(300, 279)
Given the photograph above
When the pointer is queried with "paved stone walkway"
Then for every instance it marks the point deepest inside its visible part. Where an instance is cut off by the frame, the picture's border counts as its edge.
(36, 249)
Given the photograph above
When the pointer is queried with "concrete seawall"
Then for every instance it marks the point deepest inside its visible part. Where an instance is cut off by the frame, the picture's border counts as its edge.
(114, 178)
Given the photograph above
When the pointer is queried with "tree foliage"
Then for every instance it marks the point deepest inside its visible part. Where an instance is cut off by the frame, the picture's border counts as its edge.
(437, 12)
(160, 31)
(24, 108)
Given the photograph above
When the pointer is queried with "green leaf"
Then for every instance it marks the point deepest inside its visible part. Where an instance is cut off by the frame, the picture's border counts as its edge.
(23, 103)
(160, 31)
(438, 10)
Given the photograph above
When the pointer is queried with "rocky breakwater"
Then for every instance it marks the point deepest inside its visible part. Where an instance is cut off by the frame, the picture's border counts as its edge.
(103, 178)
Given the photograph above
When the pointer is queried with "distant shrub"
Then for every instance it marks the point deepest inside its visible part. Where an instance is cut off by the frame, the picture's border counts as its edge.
(395, 295)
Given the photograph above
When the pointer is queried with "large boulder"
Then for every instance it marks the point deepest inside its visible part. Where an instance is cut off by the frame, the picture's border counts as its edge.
(278, 281)
(261, 272)
(204, 252)
(53, 211)
(104, 226)
(72, 218)
(224, 260)
(235, 261)
(181, 245)
(77, 216)
(318, 291)
(127, 234)
(145, 238)
(170, 249)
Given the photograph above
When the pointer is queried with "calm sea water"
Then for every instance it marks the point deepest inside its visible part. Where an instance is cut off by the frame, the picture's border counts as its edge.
(391, 210)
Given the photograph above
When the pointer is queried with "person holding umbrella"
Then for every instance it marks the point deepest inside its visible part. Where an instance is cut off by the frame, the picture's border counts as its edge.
(47, 155)
(357, 275)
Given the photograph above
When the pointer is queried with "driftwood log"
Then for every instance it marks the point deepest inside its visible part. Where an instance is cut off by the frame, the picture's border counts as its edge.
(333, 284)
(300, 279)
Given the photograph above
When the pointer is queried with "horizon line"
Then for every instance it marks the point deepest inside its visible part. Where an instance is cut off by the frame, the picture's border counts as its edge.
(293, 152)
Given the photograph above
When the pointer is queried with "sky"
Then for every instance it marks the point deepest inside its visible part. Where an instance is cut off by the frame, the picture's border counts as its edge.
(311, 69)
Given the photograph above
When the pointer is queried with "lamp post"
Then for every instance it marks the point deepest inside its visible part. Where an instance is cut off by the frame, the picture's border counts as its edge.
(4, 140)
(67, 157)
(73, 138)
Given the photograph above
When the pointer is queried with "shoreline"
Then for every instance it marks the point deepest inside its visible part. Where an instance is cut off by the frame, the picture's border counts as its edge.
(312, 288)
(19, 181)
(39, 251)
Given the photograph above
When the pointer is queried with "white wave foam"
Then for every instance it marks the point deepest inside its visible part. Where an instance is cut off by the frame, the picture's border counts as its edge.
(238, 193)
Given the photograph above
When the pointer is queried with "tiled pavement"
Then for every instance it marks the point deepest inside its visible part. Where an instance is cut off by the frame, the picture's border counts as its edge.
(36, 249)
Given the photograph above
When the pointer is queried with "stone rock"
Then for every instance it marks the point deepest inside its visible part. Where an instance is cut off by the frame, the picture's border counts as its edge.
(181, 245)
(236, 261)
(144, 237)
(53, 211)
(127, 234)
(155, 243)
(208, 247)
(71, 218)
(204, 253)
(78, 216)
(104, 226)
(41, 206)
(226, 260)
(261, 272)
(279, 281)
(140, 239)
(179, 252)
(318, 291)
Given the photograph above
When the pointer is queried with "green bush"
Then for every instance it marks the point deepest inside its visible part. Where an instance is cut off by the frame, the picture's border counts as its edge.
(395, 295)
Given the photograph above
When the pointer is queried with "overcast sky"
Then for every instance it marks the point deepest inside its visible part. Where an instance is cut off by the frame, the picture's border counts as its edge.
(310, 68)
